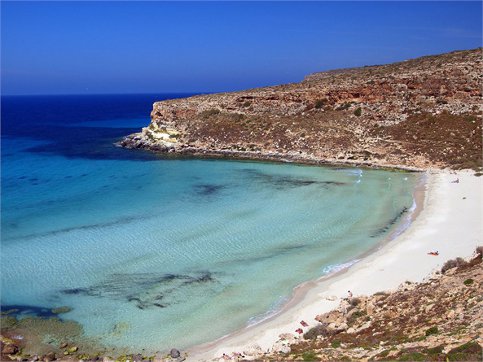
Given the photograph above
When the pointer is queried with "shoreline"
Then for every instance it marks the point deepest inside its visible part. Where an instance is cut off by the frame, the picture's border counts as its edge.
(294, 157)
(432, 223)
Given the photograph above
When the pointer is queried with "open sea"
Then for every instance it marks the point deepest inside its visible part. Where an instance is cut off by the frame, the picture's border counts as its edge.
(154, 253)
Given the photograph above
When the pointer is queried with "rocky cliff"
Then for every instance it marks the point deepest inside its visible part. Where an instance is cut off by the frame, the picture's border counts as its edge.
(419, 113)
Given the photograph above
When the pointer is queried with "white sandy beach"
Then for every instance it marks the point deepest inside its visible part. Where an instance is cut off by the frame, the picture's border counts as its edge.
(450, 221)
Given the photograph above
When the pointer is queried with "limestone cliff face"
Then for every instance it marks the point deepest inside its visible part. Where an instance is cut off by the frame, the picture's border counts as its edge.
(418, 113)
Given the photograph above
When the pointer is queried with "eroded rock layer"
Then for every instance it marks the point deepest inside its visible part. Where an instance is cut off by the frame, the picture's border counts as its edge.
(420, 113)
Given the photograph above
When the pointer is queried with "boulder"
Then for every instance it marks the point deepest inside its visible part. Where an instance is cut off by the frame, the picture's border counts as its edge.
(174, 353)
(49, 357)
(331, 317)
(281, 347)
(370, 308)
(9, 349)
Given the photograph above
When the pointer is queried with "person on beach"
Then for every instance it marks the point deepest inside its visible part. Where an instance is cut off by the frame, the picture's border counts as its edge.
(349, 294)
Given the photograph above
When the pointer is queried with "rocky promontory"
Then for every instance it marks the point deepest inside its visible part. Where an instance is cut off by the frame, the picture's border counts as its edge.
(415, 114)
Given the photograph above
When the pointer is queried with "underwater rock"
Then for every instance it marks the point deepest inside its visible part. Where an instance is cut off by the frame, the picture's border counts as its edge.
(61, 310)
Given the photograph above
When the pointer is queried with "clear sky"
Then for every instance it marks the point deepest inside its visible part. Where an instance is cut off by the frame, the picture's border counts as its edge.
(144, 47)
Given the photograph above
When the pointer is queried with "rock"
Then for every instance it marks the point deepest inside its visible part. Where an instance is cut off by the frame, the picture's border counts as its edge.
(174, 353)
(342, 327)
(365, 326)
(49, 357)
(253, 350)
(281, 347)
(370, 308)
(330, 317)
(61, 310)
(138, 357)
(72, 349)
(63, 345)
(9, 349)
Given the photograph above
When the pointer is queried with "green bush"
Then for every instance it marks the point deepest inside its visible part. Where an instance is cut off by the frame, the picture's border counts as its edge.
(343, 106)
(470, 351)
(309, 356)
(358, 112)
(335, 344)
(354, 301)
(453, 263)
(412, 356)
(320, 103)
(320, 330)
(431, 331)
(209, 113)
(435, 350)
(468, 281)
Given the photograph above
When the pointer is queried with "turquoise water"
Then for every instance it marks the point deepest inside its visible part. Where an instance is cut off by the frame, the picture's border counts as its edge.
(149, 253)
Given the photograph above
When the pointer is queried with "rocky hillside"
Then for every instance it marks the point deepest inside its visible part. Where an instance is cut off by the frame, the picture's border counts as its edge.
(437, 320)
(420, 113)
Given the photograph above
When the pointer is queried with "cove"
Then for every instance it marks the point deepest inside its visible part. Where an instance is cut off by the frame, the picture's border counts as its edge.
(152, 253)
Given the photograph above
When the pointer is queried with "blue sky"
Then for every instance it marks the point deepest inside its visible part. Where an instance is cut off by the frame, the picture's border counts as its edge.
(150, 47)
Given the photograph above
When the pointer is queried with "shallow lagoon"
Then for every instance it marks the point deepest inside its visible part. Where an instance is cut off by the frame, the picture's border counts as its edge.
(155, 253)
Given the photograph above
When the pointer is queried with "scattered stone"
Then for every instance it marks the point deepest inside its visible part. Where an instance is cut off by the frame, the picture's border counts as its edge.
(174, 353)
(49, 357)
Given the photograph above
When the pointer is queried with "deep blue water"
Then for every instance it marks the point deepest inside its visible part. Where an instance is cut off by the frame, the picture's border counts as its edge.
(69, 125)
(144, 249)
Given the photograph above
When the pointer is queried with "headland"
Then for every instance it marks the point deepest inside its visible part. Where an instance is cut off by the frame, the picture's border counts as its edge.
(417, 114)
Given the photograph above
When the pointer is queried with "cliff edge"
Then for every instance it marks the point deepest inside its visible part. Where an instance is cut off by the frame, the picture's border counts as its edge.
(420, 113)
